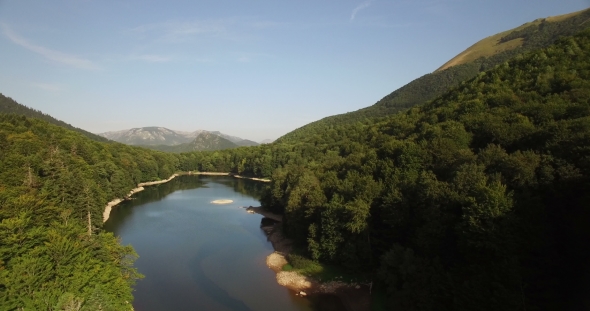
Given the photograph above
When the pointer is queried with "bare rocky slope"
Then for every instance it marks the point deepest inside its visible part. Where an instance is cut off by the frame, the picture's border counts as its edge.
(164, 139)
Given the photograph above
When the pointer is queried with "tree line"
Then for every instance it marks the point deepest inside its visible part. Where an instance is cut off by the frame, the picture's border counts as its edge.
(475, 200)
(54, 185)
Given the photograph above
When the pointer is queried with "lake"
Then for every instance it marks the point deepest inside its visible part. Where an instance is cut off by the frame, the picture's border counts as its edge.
(196, 255)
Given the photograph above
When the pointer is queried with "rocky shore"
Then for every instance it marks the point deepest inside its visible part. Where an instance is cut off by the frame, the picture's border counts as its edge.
(352, 297)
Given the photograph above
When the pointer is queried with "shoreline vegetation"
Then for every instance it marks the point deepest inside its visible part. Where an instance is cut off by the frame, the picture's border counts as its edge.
(353, 296)
(140, 187)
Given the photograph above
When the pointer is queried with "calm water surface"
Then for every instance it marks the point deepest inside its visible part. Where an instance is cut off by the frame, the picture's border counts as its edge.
(200, 256)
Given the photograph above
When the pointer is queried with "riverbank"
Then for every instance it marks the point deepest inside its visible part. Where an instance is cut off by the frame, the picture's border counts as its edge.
(251, 178)
(232, 175)
(151, 183)
(140, 187)
(107, 210)
(351, 296)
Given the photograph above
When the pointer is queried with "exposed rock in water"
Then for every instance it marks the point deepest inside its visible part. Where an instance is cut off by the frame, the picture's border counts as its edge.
(276, 261)
(293, 280)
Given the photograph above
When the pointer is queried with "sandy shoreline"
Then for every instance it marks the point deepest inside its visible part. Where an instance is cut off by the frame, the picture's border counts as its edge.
(140, 187)
(222, 201)
(151, 183)
(230, 174)
(109, 207)
(211, 173)
(251, 178)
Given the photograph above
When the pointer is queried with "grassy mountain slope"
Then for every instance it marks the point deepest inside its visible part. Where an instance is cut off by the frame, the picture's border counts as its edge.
(8, 105)
(529, 37)
(514, 38)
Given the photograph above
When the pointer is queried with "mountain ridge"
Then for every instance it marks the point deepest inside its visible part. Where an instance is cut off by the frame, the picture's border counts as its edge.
(534, 35)
(11, 106)
(498, 43)
(161, 138)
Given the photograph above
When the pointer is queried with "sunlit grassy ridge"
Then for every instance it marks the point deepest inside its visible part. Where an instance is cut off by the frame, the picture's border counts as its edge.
(484, 48)
(498, 48)
(493, 45)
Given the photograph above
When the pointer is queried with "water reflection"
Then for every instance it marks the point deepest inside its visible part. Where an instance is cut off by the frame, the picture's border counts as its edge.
(197, 255)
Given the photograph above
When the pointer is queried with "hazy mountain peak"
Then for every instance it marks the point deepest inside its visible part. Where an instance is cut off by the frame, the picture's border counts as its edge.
(161, 136)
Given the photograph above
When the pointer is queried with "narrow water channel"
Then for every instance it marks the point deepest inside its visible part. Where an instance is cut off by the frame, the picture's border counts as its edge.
(196, 255)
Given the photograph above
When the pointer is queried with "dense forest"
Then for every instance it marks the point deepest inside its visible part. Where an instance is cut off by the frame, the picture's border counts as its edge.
(205, 141)
(476, 200)
(54, 186)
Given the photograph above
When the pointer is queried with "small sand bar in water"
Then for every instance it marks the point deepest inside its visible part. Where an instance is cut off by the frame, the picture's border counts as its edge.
(222, 201)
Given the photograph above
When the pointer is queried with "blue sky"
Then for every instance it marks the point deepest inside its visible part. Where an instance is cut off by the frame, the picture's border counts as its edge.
(255, 69)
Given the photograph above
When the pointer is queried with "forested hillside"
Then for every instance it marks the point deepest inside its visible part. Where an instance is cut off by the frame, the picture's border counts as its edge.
(9, 105)
(477, 200)
(54, 185)
(206, 141)
(538, 35)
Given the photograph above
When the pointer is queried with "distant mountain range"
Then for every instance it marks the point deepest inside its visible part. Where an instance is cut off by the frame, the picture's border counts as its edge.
(150, 136)
(153, 137)
(161, 138)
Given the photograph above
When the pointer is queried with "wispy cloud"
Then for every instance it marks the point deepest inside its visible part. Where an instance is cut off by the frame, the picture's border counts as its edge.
(266, 24)
(361, 6)
(175, 31)
(152, 58)
(178, 31)
(246, 57)
(53, 55)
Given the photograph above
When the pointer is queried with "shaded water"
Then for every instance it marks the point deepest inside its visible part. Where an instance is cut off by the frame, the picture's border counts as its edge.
(200, 256)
